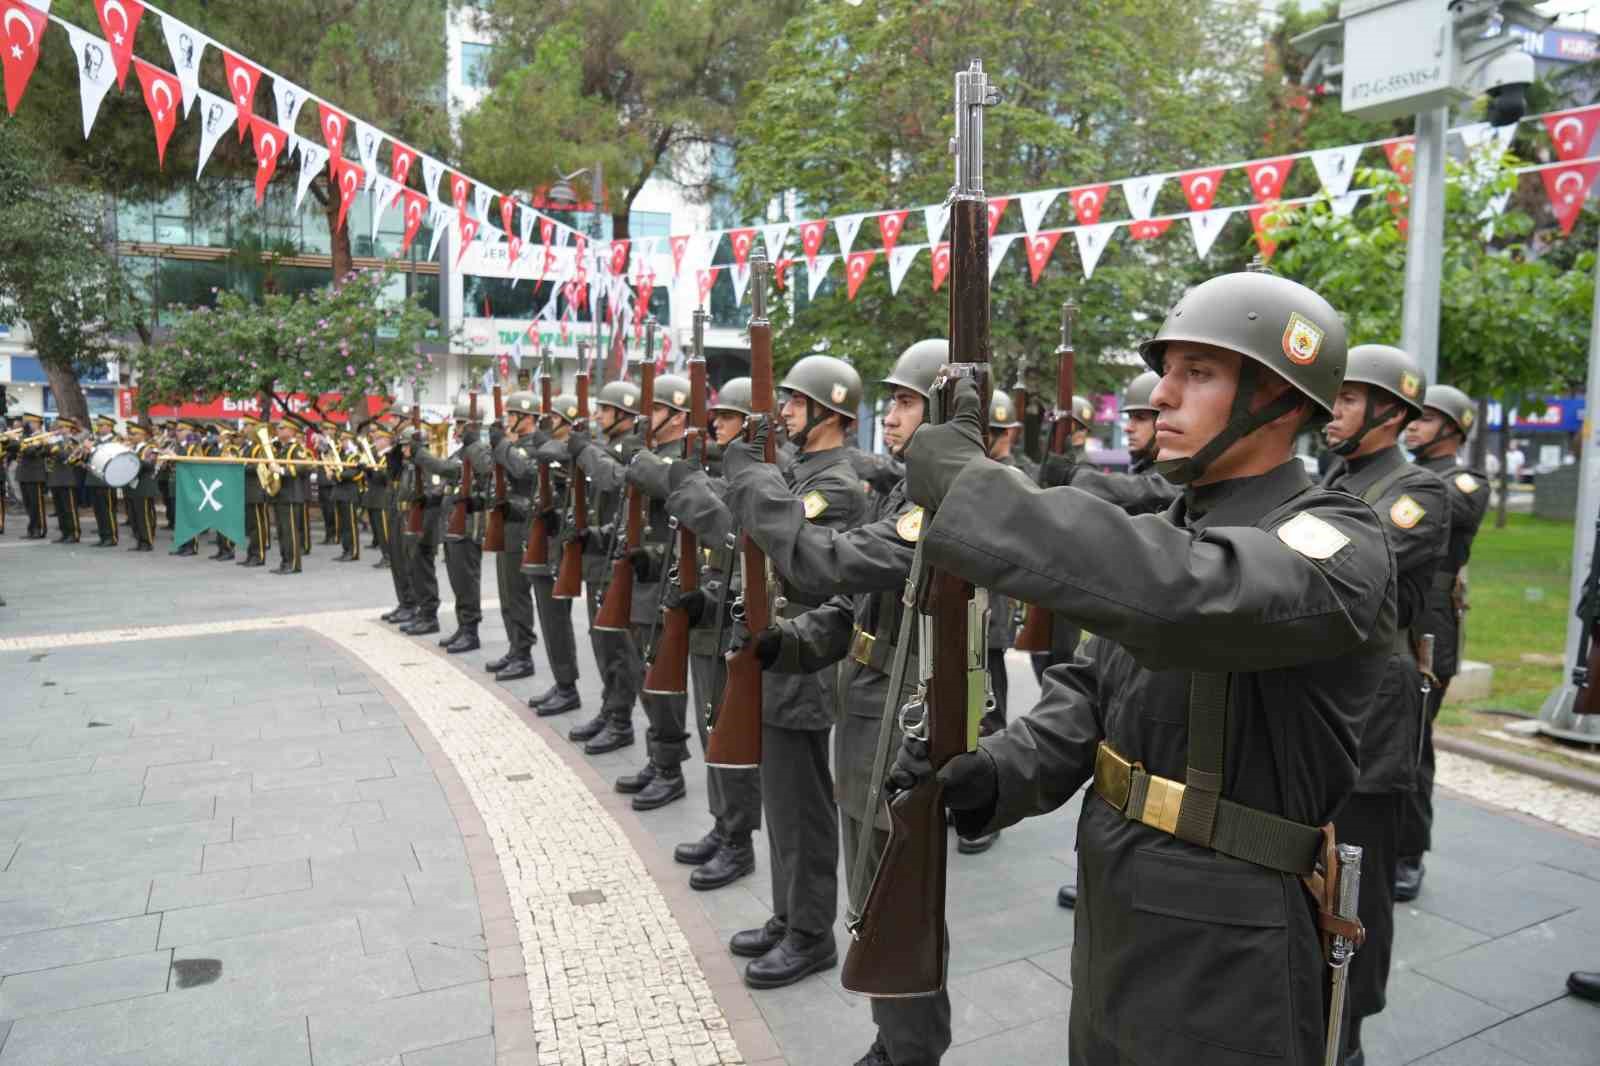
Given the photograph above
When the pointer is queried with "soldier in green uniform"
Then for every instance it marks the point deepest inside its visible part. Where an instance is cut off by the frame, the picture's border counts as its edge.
(1240, 640)
(32, 478)
(375, 487)
(144, 493)
(463, 552)
(290, 499)
(257, 504)
(63, 476)
(513, 448)
(170, 442)
(347, 484)
(403, 496)
(102, 497)
(555, 615)
(187, 443)
(423, 546)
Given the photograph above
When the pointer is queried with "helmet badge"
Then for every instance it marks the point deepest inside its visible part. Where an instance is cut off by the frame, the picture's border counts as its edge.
(1302, 340)
(1410, 385)
(839, 392)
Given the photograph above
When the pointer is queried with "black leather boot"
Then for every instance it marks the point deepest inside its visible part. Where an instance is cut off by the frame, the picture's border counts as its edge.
(1408, 878)
(795, 956)
(516, 670)
(754, 943)
(1067, 896)
(588, 730)
(610, 739)
(466, 640)
(976, 845)
(224, 556)
(628, 784)
(1584, 985)
(421, 626)
(445, 642)
(698, 852)
(559, 700)
(494, 666)
(667, 787)
(733, 860)
(877, 1055)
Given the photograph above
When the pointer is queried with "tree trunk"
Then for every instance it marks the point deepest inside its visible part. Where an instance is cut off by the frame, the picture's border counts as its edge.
(69, 394)
(1480, 443)
(1505, 467)
(338, 239)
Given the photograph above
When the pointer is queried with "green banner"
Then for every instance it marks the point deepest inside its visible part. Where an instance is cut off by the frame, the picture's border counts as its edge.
(209, 496)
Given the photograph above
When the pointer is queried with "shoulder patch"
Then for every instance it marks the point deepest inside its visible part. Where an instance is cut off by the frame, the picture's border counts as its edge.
(521, 453)
(815, 503)
(1467, 483)
(1406, 512)
(437, 480)
(1312, 537)
(909, 528)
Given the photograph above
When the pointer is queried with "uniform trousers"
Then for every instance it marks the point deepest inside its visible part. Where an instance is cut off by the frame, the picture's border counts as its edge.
(142, 519)
(1416, 811)
(732, 796)
(66, 501)
(667, 737)
(915, 1030)
(169, 500)
(258, 531)
(463, 564)
(802, 826)
(1372, 821)
(555, 622)
(516, 592)
(104, 499)
(401, 565)
(330, 516)
(424, 578)
(378, 519)
(621, 668)
(290, 516)
(305, 529)
(349, 528)
(33, 499)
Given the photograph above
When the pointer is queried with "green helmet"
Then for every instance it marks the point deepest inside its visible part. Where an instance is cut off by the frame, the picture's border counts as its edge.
(463, 410)
(918, 365)
(831, 382)
(564, 407)
(672, 390)
(1136, 397)
(1383, 366)
(623, 395)
(1002, 412)
(1454, 404)
(1273, 321)
(734, 396)
(522, 403)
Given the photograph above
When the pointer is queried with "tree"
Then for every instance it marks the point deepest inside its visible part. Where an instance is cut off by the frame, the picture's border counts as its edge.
(642, 87)
(349, 339)
(58, 271)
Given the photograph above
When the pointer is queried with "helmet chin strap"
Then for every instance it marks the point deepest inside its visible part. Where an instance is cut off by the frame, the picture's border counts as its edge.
(1241, 421)
(1371, 418)
(815, 414)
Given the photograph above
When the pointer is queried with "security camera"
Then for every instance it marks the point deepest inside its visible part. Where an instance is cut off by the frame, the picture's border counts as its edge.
(1506, 80)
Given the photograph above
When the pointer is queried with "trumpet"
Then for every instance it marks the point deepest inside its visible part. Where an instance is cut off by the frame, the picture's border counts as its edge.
(269, 473)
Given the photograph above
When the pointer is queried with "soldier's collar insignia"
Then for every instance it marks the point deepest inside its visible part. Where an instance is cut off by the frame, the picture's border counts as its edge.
(1406, 512)
(1467, 483)
(1312, 536)
(1302, 339)
(909, 528)
(815, 503)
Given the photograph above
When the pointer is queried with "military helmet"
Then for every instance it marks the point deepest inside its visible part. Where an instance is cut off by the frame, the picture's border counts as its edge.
(463, 409)
(734, 396)
(1273, 321)
(831, 382)
(1003, 414)
(623, 395)
(672, 390)
(918, 365)
(522, 402)
(565, 407)
(1136, 397)
(1082, 411)
(1383, 366)
(1454, 404)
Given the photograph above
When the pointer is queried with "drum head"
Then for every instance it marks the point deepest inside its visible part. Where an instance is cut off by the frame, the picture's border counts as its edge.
(114, 464)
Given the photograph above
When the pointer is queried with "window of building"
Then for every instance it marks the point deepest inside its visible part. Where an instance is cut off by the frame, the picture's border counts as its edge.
(475, 60)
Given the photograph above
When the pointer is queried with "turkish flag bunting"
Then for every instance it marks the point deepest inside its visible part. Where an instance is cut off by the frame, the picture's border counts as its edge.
(508, 215)
(469, 230)
(547, 231)
(350, 177)
(856, 266)
(21, 29)
(941, 263)
(741, 240)
(334, 125)
(706, 279)
(619, 258)
(890, 223)
(1087, 202)
(459, 188)
(679, 246)
(1148, 229)
(1267, 177)
(1266, 221)
(811, 240)
(1200, 188)
(997, 208)
(400, 160)
(514, 251)
(1400, 204)
(163, 96)
(269, 145)
(1402, 155)
(779, 270)
(243, 76)
(1572, 132)
(1567, 188)
(119, 21)
(416, 206)
(1040, 247)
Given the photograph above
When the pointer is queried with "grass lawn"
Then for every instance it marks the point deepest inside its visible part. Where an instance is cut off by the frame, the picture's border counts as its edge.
(1518, 618)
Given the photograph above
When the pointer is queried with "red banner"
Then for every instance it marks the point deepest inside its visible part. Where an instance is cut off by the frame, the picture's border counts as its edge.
(1040, 247)
(1572, 132)
(228, 407)
(19, 47)
(119, 21)
(1402, 156)
(856, 266)
(997, 210)
(1087, 202)
(811, 240)
(890, 224)
(1267, 177)
(1567, 188)
(161, 96)
(1200, 188)
(941, 263)
(243, 76)
(741, 240)
(269, 143)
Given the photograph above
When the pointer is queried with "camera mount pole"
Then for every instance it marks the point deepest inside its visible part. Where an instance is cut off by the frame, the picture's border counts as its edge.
(1419, 314)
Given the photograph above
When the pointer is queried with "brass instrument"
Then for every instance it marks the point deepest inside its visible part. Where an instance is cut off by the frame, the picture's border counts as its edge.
(367, 457)
(269, 473)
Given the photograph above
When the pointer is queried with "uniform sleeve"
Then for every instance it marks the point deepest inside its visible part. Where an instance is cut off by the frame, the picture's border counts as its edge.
(698, 504)
(519, 461)
(817, 560)
(1134, 493)
(605, 470)
(1420, 542)
(449, 469)
(1231, 598)
(816, 639)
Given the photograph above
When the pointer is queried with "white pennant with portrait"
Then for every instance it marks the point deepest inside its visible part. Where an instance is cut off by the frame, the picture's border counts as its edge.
(96, 72)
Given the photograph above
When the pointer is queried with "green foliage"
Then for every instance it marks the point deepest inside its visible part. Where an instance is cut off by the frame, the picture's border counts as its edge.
(353, 339)
(1520, 578)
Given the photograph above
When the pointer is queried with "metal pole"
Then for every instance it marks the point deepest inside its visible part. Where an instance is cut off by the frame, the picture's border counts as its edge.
(1556, 717)
(600, 354)
(1425, 245)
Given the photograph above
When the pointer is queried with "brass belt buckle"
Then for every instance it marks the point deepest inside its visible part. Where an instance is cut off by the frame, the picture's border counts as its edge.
(861, 647)
(1161, 804)
(1113, 776)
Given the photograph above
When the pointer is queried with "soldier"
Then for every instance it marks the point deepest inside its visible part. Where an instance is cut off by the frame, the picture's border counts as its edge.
(463, 553)
(616, 656)
(1382, 391)
(32, 477)
(348, 484)
(403, 497)
(327, 481)
(375, 487)
(144, 492)
(290, 500)
(102, 497)
(225, 444)
(555, 615)
(169, 442)
(187, 443)
(257, 521)
(1436, 440)
(62, 475)
(513, 448)
(423, 546)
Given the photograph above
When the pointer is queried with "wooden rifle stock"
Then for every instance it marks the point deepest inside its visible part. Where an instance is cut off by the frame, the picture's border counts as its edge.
(415, 512)
(455, 526)
(669, 661)
(536, 556)
(569, 573)
(494, 530)
(1038, 625)
(616, 610)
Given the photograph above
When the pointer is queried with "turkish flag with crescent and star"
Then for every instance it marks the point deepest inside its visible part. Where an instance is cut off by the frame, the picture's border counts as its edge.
(350, 178)
(1267, 177)
(400, 160)
(163, 96)
(1087, 202)
(780, 270)
(1266, 220)
(416, 206)
(242, 79)
(941, 263)
(741, 241)
(1572, 132)
(679, 246)
(469, 230)
(997, 210)
(811, 240)
(119, 21)
(459, 188)
(1040, 247)
(1402, 156)
(856, 266)
(508, 215)
(705, 279)
(1148, 229)
(334, 126)
(1568, 187)
(619, 258)
(1200, 188)
(269, 144)
(21, 26)
(890, 223)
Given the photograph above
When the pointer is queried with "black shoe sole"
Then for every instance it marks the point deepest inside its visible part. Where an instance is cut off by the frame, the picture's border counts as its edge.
(452, 649)
(632, 787)
(751, 953)
(707, 885)
(693, 858)
(817, 966)
(641, 804)
(590, 749)
(557, 708)
(513, 675)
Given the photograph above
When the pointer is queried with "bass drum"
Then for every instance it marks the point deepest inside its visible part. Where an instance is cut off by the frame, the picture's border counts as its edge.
(115, 464)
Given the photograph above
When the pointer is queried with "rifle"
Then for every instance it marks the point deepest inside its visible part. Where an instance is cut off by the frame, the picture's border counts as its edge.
(1038, 625)
(898, 944)
(616, 610)
(414, 514)
(569, 574)
(536, 558)
(1586, 668)
(735, 738)
(669, 661)
(455, 526)
(494, 530)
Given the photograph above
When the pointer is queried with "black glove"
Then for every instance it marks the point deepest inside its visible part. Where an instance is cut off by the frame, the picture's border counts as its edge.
(651, 474)
(469, 436)
(644, 565)
(692, 603)
(677, 474)
(970, 782)
(742, 454)
(581, 537)
(577, 441)
(552, 521)
(497, 433)
(937, 454)
(553, 452)
(1057, 470)
(538, 439)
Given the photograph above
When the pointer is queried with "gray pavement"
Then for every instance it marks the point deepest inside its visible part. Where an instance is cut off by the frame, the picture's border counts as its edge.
(230, 849)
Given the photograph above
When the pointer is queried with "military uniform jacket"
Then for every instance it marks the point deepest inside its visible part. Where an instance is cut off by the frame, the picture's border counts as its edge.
(59, 472)
(445, 476)
(522, 474)
(294, 487)
(144, 486)
(30, 465)
(698, 504)
(1003, 609)
(1139, 491)
(1468, 491)
(253, 492)
(1414, 513)
(375, 491)
(1182, 954)
(605, 467)
(347, 483)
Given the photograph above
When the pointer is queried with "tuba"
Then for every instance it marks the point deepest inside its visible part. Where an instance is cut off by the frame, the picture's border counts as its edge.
(269, 473)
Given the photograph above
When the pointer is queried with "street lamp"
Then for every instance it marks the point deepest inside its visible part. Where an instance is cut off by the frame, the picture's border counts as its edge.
(563, 193)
